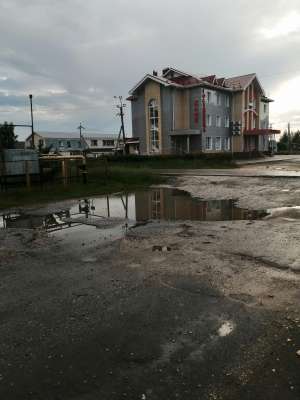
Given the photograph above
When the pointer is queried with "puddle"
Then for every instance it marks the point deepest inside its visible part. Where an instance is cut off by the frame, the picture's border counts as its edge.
(288, 213)
(109, 217)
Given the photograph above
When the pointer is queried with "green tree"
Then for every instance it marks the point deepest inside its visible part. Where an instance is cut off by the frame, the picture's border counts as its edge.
(7, 136)
(296, 141)
(283, 144)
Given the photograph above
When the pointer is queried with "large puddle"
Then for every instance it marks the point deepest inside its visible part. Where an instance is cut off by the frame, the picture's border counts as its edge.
(109, 217)
(162, 204)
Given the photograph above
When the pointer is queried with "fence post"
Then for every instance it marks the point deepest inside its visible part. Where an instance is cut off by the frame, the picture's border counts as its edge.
(27, 173)
(63, 171)
(84, 171)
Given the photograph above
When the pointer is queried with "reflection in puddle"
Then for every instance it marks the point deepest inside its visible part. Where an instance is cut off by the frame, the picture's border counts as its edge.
(115, 213)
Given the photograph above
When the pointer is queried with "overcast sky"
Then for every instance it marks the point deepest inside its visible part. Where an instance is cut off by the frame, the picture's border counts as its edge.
(75, 55)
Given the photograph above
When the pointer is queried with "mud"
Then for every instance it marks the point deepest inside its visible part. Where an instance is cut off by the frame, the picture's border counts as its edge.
(216, 316)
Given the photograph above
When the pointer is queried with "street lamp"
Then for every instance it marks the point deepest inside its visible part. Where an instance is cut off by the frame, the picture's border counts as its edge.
(32, 129)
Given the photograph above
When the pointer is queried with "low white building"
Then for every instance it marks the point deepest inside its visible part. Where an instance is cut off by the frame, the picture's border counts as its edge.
(97, 144)
(70, 143)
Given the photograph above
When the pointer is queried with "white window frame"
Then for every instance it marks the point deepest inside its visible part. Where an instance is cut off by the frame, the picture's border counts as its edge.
(218, 99)
(227, 143)
(227, 101)
(154, 126)
(208, 120)
(227, 121)
(218, 140)
(208, 97)
(218, 121)
(208, 143)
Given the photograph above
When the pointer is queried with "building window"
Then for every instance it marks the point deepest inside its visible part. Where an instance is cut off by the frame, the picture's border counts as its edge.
(208, 143)
(265, 108)
(110, 143)
(94, 142)
(218, 121)
(227, 144)
(68, 144)
(218, 97)
(79, 144)
(154, 123)
(218, 143)
(227, 122)
(61, 143)
(208, 97)
(208, 120)
(227, 101)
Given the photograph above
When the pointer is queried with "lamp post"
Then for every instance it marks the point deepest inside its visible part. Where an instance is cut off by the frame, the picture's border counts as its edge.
(32, 128)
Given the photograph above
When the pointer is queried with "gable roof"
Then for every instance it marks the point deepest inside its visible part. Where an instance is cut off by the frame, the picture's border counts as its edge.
(159, 79)
(59, 135)
(167, 70)
(240, 82)
(179, 79)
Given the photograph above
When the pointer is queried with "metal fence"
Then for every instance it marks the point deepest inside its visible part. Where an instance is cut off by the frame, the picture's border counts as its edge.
(15, 162)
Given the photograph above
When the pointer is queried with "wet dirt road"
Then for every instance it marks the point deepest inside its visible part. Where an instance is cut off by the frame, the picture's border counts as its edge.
(181, 310)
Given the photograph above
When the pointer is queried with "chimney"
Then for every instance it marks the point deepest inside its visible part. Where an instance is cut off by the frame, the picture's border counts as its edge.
(155, 73)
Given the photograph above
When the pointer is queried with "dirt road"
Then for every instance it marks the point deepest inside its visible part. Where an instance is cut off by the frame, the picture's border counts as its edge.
(183, 310)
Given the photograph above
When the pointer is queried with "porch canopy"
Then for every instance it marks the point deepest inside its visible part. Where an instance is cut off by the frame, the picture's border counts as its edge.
(256, 132)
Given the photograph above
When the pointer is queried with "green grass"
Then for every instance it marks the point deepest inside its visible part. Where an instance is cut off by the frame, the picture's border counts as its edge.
(190, 161)
(117, 179)
(114, 174)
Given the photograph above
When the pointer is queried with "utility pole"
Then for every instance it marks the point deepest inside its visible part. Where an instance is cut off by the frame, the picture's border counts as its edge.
(80, 130)
(32, 128)
(121, 107)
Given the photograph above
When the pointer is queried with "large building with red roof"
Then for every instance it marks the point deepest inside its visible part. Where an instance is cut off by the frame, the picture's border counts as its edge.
(178, 112)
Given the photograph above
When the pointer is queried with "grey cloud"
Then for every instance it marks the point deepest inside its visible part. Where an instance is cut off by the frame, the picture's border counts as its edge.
(75, 45)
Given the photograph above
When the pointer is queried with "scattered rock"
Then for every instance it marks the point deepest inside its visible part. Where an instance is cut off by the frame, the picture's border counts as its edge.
(226, 329)
(161, 248)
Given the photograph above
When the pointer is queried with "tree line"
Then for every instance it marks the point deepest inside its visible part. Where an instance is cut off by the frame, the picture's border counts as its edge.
(289, 142)
(8, 138)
